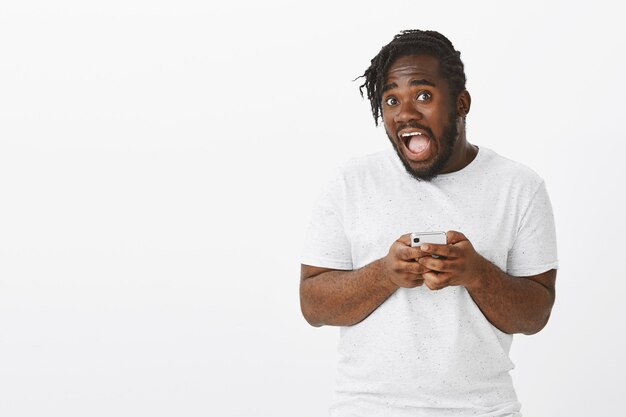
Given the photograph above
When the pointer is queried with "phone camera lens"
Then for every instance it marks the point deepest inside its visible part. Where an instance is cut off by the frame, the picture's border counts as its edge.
(416, 240)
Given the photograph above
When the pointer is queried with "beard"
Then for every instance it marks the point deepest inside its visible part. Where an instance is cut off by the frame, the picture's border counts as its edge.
(445, 147)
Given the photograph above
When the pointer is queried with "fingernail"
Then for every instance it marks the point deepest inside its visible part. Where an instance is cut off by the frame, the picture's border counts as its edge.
(425, 247)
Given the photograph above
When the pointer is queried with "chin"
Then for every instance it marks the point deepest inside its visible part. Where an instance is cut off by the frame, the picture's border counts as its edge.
(420, 170)
(423, 174)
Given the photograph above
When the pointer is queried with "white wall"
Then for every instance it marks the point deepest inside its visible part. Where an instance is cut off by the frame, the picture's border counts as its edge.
(158, 161)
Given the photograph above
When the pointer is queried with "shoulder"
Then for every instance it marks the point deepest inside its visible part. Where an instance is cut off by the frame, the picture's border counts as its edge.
(368, 167)
(368, 162)
(356, 175)
(500, 168)
(365, 175)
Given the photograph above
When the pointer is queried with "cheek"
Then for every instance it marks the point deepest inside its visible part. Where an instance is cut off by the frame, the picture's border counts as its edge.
(440, 120)
(387, 117)
(432, 111)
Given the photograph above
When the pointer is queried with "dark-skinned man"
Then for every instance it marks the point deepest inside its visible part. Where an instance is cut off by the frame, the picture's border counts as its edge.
(426, 331)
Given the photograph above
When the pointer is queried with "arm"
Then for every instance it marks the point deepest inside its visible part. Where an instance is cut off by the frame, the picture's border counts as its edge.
(512, 304)
(344, 298)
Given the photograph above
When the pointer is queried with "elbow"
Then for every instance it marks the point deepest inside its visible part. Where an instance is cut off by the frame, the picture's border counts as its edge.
(532, 331)
(309, 314)
(311, 310)
(311, 319)
(313, 322)
(543, 307)
(538, 325)
(542, 316)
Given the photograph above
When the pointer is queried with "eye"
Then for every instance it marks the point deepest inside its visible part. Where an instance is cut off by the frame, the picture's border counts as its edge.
(424, 96)
(391, 101)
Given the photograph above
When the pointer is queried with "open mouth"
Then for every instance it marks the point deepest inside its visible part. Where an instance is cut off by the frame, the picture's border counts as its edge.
(417, 142)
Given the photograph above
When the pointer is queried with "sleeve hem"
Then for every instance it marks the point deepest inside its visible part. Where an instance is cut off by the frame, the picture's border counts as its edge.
(326, 263)
(524, 272)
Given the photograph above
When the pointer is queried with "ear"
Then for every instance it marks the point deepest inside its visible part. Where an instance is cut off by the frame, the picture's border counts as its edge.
(463, 103)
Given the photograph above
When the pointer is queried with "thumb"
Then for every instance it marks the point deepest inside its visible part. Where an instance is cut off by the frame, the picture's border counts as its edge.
(455, 237)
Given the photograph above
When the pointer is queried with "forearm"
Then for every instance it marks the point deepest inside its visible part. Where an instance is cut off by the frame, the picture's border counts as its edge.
(344, 298)
(513, 304)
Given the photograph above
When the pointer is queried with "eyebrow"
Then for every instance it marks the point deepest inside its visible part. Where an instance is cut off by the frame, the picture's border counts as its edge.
(389, 86)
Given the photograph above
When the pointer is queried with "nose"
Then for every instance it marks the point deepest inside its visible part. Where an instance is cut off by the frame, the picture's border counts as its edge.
(407, 111)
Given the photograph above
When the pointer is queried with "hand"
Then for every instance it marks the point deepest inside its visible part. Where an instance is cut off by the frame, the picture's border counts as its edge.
(458, 263)
(400, 266)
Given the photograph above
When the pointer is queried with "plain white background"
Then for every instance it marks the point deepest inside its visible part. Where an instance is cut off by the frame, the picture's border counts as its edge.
(158, 161)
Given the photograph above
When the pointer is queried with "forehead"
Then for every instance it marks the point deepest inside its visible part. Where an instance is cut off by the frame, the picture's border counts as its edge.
(414, 66)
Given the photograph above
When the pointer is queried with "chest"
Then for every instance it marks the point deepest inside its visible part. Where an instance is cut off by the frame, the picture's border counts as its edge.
(378, 215)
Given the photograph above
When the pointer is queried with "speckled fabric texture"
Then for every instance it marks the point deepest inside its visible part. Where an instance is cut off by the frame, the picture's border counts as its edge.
(423, 352)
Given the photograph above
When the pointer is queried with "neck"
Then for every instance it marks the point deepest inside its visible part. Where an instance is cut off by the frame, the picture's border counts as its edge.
(463, 153)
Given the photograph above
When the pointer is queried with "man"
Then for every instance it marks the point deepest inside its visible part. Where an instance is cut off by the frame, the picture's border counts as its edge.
(425, 335)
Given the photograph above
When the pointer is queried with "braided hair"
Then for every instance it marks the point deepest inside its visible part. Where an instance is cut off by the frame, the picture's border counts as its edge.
(412, 42)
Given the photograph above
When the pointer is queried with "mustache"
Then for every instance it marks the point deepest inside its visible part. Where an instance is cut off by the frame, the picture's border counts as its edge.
(415, 125)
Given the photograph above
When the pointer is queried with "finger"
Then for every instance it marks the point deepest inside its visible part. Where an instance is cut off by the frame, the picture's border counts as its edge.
(407, 253)
(435, 264)
(431, 281)
(446, 251)
(415, 279)
(407, 279)
(414, 268)
(405, 239)
(431, 286)
(455, 237)
(412, 283)
(436, 281)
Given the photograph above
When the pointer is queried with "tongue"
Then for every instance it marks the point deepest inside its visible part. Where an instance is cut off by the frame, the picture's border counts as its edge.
(418, 143)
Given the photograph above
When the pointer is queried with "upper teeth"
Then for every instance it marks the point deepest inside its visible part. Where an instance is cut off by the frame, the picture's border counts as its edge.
(404, 135)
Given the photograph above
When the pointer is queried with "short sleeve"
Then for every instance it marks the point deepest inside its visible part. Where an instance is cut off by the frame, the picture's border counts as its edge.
(534, 250)
(326, 244)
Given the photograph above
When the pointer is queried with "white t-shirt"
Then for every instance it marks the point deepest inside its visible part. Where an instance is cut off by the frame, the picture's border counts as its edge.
(423, 352)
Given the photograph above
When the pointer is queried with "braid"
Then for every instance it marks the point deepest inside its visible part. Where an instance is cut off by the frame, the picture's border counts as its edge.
(412, 42)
